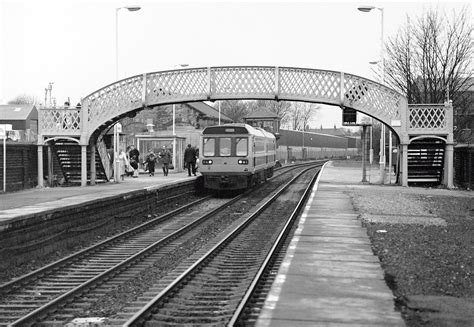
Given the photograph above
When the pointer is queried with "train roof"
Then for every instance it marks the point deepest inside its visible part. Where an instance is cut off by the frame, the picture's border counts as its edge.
(236, 129)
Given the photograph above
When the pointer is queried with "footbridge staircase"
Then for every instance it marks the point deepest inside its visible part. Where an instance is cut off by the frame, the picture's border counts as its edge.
(68, 154)
(424, 132)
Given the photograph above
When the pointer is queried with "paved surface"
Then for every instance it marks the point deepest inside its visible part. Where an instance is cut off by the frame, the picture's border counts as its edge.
(37, 195)
(329, 277)
(24, 204)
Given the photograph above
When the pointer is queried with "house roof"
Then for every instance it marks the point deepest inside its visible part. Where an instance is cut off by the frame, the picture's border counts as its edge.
(261, 114)
(208, 110)
(17, 111)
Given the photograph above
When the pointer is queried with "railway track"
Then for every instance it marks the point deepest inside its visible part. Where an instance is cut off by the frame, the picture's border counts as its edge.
(26, 299)
(215, 290)
(60, 292)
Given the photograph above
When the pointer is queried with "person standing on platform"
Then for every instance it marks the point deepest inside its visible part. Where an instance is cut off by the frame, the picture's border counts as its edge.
(134, 154)
(165, 159)
(123, 164)
(150, 161)
(190, 160)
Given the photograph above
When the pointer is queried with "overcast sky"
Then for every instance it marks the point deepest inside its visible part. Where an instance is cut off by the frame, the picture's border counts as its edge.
(72, 42)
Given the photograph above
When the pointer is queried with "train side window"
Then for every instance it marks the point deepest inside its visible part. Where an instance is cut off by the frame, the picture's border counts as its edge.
(224, 146)
(259, 146)
(241, 147)
(209, 147)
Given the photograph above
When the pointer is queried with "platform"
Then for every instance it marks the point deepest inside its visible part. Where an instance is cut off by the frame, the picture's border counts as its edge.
(329, 276)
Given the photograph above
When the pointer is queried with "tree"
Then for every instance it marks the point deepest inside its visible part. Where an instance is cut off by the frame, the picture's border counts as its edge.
(430, 60)
(24, 99)
(301, 114)
(280, 108)
(235, 109)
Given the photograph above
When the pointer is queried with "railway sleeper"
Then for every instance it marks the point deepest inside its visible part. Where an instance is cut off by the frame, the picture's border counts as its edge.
(186, 319)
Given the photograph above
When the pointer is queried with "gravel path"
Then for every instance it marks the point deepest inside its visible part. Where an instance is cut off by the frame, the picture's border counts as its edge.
(424, 239)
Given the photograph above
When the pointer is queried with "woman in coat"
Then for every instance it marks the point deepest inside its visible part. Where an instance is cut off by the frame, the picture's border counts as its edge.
(165, 159)
(124, 165)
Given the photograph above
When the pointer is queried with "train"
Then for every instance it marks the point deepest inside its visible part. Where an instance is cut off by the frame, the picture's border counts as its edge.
(236, 156)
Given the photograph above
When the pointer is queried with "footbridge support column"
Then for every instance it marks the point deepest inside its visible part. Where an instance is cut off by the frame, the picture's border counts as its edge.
(83, 165)
(448, 178)
(92, 168)
(40, 166)
(404, 171)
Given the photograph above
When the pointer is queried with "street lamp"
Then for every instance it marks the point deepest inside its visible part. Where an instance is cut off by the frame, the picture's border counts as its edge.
(174, 124)
(129, 8)
(116, 129)
(382, 132)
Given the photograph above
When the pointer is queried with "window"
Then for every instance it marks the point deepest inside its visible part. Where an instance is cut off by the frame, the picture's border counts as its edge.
(224, 146)
(259, 146)
(241, 147)
(209, 147)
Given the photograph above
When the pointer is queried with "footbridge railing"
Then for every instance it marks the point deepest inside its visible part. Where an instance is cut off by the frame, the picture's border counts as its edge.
(242, 82)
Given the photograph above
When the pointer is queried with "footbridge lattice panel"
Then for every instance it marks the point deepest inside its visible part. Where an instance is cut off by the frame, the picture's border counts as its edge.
(246, 82)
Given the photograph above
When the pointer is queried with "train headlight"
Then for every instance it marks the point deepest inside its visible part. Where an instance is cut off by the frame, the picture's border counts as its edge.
(207, 162)
(243, 162)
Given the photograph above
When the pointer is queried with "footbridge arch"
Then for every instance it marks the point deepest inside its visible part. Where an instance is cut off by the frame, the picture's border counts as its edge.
(103, 107)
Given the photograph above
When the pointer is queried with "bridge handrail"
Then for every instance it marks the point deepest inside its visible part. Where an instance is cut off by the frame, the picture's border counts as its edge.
(59, 121)
(235, 82)
(108, 104)
(430, 118)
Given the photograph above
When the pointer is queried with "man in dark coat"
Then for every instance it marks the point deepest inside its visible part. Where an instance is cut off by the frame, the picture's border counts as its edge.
(150, 161)
(190, 160)
(133, 155)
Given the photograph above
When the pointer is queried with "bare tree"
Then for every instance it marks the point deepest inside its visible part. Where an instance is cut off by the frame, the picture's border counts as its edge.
(280, 108)
(430, 59)
(301, 114)
(235, 109)
(24, 99)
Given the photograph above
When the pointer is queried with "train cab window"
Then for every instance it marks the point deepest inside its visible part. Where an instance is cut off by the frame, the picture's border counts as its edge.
(224, 146)
(241, 147)
(209, 147)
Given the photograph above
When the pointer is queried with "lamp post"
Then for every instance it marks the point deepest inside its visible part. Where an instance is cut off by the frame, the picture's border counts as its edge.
(302, 149)
(129, 8)
(116, 129)
(174, 125)
(382, 66)
(219, 113)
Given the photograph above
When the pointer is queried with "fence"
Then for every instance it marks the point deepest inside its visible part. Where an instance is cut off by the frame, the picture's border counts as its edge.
(21, 166)
(464, 166)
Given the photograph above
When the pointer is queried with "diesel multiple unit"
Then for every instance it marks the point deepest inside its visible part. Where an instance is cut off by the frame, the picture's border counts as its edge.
(236, 156)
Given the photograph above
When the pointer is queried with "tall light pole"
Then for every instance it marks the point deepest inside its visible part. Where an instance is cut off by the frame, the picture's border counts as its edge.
(174, 125)
(129, 8)
(382, 66)
(302, 149)
(116, 130)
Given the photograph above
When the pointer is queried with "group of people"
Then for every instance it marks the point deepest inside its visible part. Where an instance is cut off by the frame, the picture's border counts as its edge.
(128, 161)
(164, 158)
